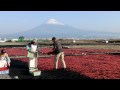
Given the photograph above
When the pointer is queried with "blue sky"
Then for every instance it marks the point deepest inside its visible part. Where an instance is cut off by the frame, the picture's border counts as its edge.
(17, 21)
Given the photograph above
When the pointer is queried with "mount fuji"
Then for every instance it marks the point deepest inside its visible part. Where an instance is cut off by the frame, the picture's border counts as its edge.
(55, 28)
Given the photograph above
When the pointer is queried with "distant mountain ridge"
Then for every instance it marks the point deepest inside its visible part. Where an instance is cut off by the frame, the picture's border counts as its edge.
(55, 28)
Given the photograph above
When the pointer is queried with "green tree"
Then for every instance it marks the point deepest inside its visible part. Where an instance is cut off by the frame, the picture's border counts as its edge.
(21, 39)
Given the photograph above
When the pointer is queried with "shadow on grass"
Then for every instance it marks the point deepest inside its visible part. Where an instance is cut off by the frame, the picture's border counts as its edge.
(20, 69)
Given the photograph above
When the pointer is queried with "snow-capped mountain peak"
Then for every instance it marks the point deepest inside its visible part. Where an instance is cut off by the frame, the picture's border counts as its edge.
(54, 21)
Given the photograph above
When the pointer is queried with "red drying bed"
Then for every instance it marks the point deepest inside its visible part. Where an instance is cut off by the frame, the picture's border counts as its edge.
(100, 66)
(93, 66)
(43, 51)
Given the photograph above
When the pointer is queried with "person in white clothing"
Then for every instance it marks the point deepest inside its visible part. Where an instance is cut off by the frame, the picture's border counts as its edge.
(4, 59)
(33, 50)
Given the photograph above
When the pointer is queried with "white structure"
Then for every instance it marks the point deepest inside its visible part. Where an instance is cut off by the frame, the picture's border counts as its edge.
(73, 41)
(14, 40)
(106, 41)
(3, 40)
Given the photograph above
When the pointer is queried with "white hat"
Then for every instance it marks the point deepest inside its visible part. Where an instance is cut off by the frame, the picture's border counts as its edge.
(34, 40)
